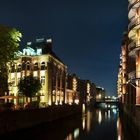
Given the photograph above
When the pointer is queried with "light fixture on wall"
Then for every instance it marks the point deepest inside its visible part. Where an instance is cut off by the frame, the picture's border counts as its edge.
(133, 83)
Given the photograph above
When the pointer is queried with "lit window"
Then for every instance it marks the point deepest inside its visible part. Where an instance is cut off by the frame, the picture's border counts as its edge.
(19, 68)
(13, 81)
(43, 66)
(18, 79)
(36, 66)
(88, 88)
(74, 84)
(43, 80)
(28, 66)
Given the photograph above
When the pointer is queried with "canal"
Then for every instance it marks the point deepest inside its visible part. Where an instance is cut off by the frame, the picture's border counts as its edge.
(94, 124)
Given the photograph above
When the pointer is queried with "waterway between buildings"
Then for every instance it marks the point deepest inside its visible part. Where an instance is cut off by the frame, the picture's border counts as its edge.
(95, 124)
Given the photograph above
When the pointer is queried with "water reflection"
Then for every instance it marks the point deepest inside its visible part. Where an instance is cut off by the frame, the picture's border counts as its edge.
(119, 129)
(99, 116)
(96, 123)
(73, 136)
(89, 120)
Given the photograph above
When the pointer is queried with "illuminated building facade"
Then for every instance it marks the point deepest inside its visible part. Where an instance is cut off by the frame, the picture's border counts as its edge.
(79, 91)
(39, 60)
(126, 76)
(72, 93)
(129, 71)
(124, 70)
(87, 91)
(100, 94)
(134, 45)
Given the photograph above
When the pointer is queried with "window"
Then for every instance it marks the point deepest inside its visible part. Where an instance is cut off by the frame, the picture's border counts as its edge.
(19, 68)
(18, 79)
(43, 80)
(23, 66)
(36, 66)
(13, 68)
(43, 66)
(28, 66)
(13, 81)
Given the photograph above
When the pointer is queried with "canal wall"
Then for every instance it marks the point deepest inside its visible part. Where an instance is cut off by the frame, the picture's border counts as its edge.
(130, 116)
(16, 120)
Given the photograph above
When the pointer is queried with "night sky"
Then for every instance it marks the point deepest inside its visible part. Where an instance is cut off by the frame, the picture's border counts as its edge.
(86, 33)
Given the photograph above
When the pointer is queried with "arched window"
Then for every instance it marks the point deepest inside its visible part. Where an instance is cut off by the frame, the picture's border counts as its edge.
(23, 66)
(19, 68)
(43, 66)
(42, 80)
(36, 66)
(28, 65)
(13, 68)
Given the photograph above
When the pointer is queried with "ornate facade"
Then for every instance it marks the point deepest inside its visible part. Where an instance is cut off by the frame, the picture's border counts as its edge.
(39, 60)
(134, 46)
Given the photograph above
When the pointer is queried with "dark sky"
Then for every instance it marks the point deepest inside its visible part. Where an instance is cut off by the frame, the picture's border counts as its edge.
(86, 33)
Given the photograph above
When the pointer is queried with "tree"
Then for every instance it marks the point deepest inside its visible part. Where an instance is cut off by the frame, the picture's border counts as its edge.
(29, 86)
(9, 44)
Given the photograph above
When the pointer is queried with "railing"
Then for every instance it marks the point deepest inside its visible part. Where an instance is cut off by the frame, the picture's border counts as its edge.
(133, 23)
(131, 46)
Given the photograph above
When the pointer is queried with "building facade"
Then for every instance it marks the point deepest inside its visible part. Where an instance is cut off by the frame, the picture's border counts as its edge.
(129, 70)
(80, 91)
(39, 60)
(100, 94)
(87, 91)
(134, 45)
(72, 93)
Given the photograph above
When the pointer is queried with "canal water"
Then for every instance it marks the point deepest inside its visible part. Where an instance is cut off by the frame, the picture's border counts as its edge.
(102, 123)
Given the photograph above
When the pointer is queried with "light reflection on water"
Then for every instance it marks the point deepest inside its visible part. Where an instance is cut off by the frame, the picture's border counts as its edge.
(92, 120)
(99, 124)
(99, 117)
(96, 124)
(119, 129)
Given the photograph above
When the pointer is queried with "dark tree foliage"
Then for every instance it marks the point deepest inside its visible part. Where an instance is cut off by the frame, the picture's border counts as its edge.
(9, 43)
(29, 86)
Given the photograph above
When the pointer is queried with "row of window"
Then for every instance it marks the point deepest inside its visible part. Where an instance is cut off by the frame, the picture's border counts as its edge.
(28, 66)
(42, 80)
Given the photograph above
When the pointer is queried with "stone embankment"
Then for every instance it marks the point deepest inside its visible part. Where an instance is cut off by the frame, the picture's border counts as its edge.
(16, 120)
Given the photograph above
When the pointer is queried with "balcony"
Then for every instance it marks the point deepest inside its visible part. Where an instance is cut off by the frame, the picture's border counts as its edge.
(134, 22)
(134, 75)
(131, 4)
(133, 47)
